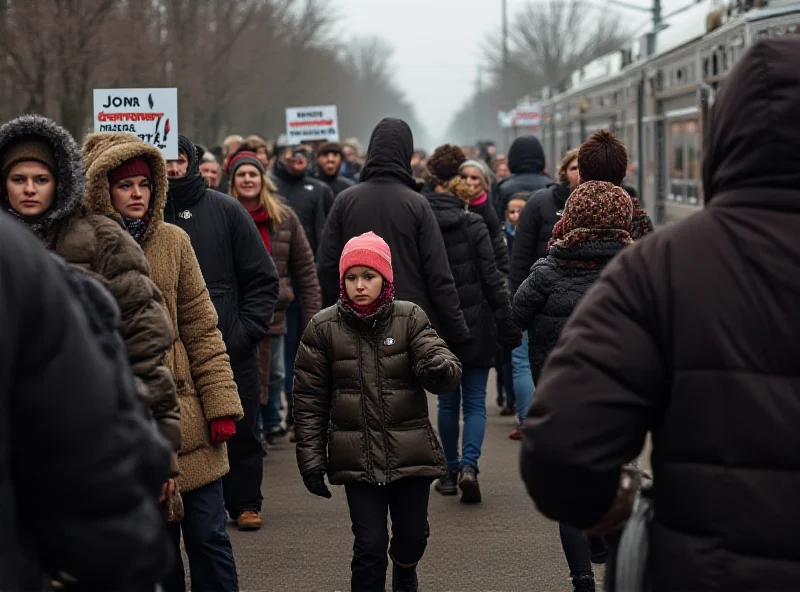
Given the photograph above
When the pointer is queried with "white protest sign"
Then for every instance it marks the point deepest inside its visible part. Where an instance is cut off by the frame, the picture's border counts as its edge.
(150, 113)
(304, 124)
(527, 116)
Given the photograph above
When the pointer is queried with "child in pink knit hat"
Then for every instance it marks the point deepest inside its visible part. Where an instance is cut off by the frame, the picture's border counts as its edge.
(361, 412)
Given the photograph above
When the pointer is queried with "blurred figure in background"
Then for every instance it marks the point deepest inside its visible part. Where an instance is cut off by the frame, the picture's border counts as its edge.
(526, 162)
(259, 146)
(210, 169)
(501, 170)
(229, 145)
(329, 166)
(351, 167)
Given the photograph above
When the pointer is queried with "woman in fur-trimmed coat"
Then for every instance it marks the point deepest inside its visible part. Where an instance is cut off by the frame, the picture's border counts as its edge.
(127, 181)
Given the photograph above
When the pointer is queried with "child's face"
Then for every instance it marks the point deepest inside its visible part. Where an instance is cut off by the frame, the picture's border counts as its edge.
(362, 284)
(514, 210)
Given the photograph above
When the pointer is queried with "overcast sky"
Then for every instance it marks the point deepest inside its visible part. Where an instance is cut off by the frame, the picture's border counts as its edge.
(437, 46)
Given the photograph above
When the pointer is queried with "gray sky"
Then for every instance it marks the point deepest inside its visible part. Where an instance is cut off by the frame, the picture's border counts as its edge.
(437, 46)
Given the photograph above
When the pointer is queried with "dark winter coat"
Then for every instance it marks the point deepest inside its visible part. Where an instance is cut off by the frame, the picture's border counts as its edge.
(360, 408)
(238, 271)
(534, 229)
(310, 198)
(294, 262)
(387, 202)
(692, 334)
(526, 161)
(546, 299)
(80, 469)
(495, 226)
(102, 249)
(337, 184)
(482, 291)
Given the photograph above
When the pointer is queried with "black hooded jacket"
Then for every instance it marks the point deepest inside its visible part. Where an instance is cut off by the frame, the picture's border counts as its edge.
(535, 227)
(691, 334)
(387, 202)
(482, 291)
(238, 271)
(526, 161)
(310, 198)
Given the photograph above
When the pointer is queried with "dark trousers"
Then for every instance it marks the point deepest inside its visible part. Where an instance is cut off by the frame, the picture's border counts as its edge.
(242, 484)
(576, 549)
(406, 501)
(207, 544)
(294, 331)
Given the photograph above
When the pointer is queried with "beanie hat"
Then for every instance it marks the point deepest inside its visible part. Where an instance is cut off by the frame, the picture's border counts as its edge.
(28, 149)
(603, 158)
(369, 250)
(444, 164)
(245, 157)
(597, 205)
(481, 166)
(330, 148)
(130, 168)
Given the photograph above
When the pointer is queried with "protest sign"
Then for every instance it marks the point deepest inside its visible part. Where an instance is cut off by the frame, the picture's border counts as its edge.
(305, 124)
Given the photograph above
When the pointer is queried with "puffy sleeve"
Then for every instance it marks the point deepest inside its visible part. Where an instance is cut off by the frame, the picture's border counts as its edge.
(303, 270)
(424, 343)
(197, 325)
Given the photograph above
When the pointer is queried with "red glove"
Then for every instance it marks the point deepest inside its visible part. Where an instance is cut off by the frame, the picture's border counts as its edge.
(222, 429)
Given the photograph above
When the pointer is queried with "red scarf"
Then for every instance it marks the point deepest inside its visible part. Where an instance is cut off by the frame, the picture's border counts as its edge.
(261, 218)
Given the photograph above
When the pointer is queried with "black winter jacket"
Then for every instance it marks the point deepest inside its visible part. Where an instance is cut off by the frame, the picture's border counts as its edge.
(526, 161)
(534, 230)
(310, 198)
(80, 468)
(337, 184)
(545, 300)
(481, 288)
(496, 232)
(387, 202)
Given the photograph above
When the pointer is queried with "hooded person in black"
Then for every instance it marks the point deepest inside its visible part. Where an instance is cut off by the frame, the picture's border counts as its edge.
(387, 201)
(526, 161)
(243, 286)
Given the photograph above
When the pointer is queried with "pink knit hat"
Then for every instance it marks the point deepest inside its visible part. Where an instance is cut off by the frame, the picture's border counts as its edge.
(369, 250)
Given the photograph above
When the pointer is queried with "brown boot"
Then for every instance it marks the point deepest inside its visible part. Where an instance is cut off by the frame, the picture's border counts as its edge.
(249, 520)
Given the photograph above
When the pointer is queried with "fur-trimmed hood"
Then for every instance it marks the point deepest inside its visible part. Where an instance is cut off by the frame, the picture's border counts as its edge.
(104, 152)
(69, 167)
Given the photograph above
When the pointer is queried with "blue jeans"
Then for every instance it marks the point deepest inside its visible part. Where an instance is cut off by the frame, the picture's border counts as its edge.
(294, 330)
(271, 412)
(523, 378)
(208, 547)
(471, 395)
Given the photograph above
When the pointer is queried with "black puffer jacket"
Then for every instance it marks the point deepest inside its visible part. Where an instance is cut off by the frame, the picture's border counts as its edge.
(310, 198)
(534, 230)
(547, 298)
(337, 184)
(496, 232)
(360, 408)
(526, 161)
(481, 289)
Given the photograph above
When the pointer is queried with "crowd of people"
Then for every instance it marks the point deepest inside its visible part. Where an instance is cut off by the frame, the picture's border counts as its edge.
(167, 322)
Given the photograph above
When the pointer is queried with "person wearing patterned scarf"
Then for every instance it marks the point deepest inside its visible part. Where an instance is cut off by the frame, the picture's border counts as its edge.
(369, 357)
(594, 228)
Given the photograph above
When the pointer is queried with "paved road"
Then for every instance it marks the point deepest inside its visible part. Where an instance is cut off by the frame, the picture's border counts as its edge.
(503, 544)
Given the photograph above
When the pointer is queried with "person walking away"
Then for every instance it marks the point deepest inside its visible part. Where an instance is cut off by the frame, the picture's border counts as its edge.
(701, 318)
(90, 504)
(127, 182)
(604, 158)
(329, 166)
(526, 162)
(387, 201)
(593, 230)
(484, 300)
(283, 236)
(542, 211)
(382, 469)
(42, 187)
(243, 286)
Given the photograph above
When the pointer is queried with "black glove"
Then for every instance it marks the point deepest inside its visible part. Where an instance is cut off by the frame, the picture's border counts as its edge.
(437, 369)
(315, 483)
(510, 337)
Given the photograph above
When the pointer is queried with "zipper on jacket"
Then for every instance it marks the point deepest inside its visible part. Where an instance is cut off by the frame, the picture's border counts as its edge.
(383, 409)
(363, 410)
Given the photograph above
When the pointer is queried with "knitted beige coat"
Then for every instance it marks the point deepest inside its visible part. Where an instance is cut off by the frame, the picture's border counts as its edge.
(203, 376)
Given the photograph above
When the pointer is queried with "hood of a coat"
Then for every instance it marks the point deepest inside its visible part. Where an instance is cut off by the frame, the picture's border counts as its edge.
(753, 136)
(104, 152)
(70, 171)
(526, 155)
(448, 209)
(389, 152)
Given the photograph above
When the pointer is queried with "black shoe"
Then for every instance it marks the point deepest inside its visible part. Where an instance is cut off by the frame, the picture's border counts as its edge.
(468, 484)
(447, 485)
(404, 579)
(275, 434)
(507, 411)
(583, 583)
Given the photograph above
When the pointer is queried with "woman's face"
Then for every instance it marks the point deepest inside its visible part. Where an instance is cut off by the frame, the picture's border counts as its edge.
(31, 188)
(362, 284)
(514, 210)
(131, 196)
(474, 180)
(247, 182)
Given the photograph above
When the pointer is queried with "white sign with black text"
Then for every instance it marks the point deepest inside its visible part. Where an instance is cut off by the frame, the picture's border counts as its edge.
(305, 124)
